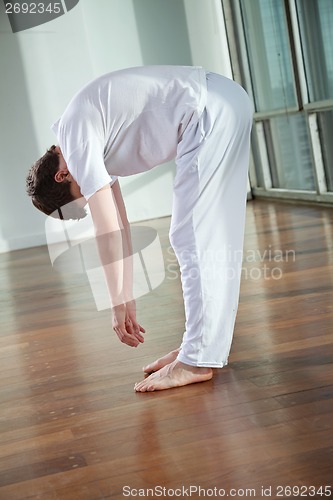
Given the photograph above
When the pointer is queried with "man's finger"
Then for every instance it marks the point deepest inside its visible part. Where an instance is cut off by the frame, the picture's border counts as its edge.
(138, 328)
(129, 327)
(139, 337)
(126, 338)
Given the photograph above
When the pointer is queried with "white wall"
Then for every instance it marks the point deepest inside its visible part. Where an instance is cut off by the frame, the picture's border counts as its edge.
(208, 39)
(41, 68)
(131, 33)
(34, 69)
(207, 35)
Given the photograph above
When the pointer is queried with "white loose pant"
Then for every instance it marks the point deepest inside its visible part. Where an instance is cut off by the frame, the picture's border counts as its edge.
(208, 219)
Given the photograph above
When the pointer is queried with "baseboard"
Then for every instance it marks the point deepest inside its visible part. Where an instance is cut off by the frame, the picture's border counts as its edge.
(20, 242)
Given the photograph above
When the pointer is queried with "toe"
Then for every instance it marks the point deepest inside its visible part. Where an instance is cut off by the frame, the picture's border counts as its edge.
(140, 386)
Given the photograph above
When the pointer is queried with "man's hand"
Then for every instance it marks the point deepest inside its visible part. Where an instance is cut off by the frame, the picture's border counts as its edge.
(125, 324)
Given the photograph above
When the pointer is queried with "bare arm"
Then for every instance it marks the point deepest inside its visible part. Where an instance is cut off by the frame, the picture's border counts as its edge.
(108, 221)
(132, 326)
(126, 240)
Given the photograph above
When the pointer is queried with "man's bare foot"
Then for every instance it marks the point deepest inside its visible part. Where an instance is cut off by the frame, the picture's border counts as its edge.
(175, 374)
(160, 362)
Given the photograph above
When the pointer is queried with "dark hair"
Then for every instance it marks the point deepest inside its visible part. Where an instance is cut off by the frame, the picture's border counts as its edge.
(49, 196)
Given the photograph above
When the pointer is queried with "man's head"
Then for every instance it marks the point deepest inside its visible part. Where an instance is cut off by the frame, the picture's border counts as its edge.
(51, 187)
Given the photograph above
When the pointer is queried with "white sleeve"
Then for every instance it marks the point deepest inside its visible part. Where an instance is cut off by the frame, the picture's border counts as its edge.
(86, 164)
(82, 147)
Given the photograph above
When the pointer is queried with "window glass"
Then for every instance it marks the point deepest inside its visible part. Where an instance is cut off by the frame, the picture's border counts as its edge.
(292, 166)
(269, 54)
(316, 27)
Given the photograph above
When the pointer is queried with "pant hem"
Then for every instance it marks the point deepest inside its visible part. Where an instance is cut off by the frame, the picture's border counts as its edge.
(201, 364)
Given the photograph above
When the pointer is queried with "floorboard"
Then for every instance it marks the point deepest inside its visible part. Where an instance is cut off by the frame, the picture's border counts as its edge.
(72, 428)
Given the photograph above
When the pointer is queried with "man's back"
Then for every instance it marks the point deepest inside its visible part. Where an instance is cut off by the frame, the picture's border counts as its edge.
(129, 121)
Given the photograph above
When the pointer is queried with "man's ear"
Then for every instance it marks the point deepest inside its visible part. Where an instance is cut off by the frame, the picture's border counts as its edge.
(61, 175)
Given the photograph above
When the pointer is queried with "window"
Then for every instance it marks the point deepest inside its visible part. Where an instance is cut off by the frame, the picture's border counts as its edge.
(269, 54)
(316, 28)
(285, 52)
(292, 167)
(325, 120)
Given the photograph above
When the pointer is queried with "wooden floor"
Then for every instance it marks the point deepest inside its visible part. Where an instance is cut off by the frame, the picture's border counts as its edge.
(71, 426)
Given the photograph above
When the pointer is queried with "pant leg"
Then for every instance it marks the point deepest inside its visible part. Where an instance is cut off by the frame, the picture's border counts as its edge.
(207, 226)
